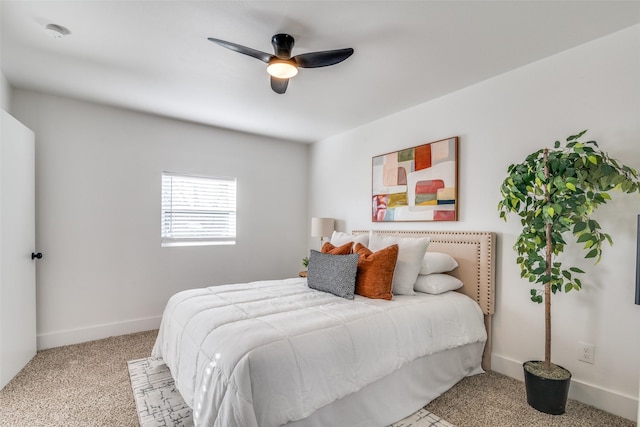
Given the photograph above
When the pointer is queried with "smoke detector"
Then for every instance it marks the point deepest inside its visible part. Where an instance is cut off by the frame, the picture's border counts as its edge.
(56, 31)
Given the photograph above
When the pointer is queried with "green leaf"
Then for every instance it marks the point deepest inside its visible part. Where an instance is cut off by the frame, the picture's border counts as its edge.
(609, 239)
(579, 226)
(584, 237)
(574, 137)
(576, 270)
(539, 270)
(592, 253)
(607, 169)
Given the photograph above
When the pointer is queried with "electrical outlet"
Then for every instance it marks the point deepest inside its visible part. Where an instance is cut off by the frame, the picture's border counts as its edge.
(586, 352)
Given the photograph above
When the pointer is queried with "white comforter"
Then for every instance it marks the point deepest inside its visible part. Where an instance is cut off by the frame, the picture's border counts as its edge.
(266, 353)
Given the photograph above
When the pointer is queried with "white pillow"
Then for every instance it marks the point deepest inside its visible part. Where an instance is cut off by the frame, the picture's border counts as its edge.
(437, 262)
(338, 238)
(411, 251)
(437, 283)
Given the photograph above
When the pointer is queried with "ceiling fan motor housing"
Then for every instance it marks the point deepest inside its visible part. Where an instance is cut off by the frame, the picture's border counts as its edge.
(282, 45)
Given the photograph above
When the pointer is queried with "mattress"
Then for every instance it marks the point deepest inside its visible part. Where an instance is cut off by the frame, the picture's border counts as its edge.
(273, 352)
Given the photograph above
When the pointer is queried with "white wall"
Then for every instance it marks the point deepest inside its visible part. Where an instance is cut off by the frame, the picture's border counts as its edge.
(499, 122)
(98, 176)
(5, 93)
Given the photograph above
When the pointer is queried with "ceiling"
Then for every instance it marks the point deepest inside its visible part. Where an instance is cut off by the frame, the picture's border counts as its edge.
(154, 56)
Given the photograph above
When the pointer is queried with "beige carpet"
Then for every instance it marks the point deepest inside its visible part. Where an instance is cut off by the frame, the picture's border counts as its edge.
(88, 385)
(77, 385)
(493, 399)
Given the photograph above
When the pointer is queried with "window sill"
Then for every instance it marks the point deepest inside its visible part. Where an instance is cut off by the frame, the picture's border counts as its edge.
(196, 243)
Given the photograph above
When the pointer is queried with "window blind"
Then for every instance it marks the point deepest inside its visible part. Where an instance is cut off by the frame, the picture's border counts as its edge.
(198, 210)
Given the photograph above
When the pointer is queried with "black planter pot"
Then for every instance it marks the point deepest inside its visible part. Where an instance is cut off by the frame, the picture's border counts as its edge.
(546, 395)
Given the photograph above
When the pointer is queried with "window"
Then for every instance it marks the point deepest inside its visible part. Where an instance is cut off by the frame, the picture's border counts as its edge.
(198, 210)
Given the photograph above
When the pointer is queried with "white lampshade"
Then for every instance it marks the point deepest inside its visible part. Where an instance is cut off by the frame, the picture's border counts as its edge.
(282, 69)
(322, 227)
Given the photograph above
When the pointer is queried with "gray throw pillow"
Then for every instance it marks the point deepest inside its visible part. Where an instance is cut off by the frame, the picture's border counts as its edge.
(335, 274)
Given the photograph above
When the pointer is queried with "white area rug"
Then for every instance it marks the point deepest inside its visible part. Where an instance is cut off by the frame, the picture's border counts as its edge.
(160, 404)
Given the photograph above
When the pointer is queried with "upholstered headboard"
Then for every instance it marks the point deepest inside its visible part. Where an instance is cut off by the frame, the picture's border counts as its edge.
(474, 251)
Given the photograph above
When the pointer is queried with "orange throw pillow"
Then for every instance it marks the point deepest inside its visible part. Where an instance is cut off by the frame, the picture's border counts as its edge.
(375, 271)
(345, 249)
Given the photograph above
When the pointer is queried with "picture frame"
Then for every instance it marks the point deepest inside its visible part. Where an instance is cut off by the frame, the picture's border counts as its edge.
(416, 184)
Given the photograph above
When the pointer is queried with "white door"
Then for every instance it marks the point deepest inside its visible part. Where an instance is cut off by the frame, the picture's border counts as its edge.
(17, 242)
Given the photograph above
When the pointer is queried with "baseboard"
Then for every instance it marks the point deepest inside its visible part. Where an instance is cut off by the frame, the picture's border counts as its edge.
(76, 336)
(607, 400)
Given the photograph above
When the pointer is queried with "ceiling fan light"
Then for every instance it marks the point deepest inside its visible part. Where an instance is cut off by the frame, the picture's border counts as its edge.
(282, 69)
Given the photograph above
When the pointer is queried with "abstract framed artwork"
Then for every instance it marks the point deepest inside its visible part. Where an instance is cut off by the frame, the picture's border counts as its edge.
(417, 184)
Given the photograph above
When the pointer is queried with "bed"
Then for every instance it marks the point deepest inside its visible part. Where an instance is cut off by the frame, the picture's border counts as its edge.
(278, 353)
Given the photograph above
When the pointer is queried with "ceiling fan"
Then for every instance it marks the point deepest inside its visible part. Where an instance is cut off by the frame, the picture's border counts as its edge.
(281, 65)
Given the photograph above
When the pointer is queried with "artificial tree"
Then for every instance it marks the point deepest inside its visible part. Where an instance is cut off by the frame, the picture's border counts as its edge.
(555, 191)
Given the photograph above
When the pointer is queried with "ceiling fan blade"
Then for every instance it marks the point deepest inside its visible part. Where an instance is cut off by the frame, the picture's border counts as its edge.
(279, 85)
(322, 58)
(262, 56)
